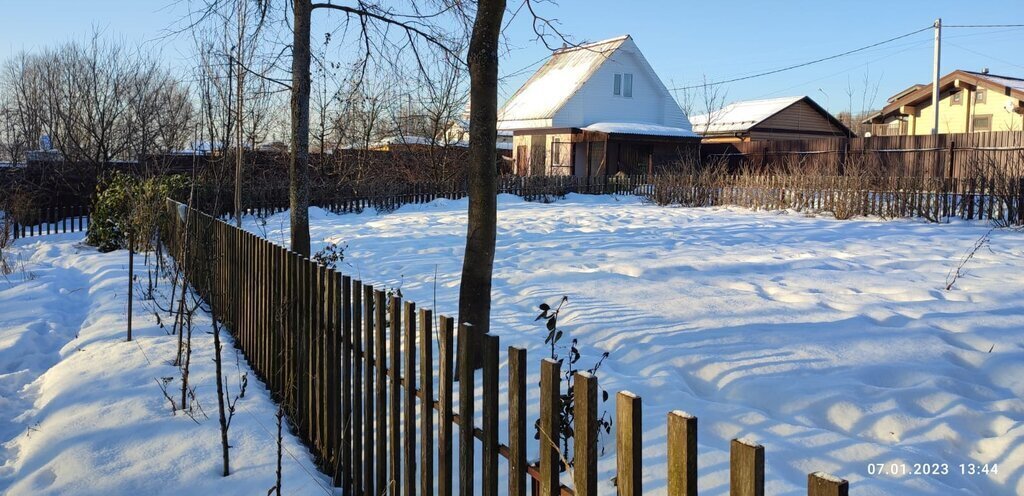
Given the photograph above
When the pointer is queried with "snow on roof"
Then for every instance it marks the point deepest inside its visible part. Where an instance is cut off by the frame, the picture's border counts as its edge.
(741, 116)
(407, 140)
(557, 80)
(1012, 82)
(640, 128)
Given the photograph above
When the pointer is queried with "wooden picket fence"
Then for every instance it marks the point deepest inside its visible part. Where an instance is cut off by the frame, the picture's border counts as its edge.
(341, 199)
(996, 199)
(55, 220)
(356, 372)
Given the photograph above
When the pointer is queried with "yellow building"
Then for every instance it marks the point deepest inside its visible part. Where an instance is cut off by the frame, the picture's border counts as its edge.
(969, 102)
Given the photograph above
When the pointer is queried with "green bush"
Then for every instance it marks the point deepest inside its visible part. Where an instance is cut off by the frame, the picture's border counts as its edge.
(125, 204)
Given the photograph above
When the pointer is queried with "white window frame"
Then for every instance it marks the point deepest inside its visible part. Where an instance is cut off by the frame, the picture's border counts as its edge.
(627, 85)
(617, 85)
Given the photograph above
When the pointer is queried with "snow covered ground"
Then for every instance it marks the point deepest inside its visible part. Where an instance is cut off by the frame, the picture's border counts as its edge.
(833, 343)
(81, 411)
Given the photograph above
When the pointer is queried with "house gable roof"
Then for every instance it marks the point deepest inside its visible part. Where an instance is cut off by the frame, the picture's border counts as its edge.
(739, 117)
(557, 81)
(1006, 85)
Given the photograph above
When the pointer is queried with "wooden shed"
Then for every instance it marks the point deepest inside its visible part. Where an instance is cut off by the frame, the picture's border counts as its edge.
(787, 118)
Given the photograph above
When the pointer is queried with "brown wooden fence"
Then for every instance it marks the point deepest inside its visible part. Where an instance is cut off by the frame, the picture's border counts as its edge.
(996, 198)
(1000, 200)
(356, 373)
(55, 220)
(943, 155)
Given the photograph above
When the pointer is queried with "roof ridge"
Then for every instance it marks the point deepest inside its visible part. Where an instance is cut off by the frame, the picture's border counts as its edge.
(992, 75)
(591, 44)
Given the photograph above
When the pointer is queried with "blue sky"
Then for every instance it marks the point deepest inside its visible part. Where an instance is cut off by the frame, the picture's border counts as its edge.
(683, 40)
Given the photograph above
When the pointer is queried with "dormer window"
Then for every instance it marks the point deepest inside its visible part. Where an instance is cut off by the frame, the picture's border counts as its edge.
(623, 85)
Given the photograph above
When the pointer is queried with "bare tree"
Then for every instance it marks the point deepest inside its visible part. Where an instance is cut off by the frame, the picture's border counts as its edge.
(481, 232)
(703, 103)
(98, 101)
(23, 104)
(854, 117)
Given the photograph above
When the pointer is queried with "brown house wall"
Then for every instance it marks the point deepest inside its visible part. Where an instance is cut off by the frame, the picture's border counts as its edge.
(800, 117)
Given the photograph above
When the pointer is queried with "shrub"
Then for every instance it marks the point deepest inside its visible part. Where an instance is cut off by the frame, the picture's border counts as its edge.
(125, 204)
(331, 255)
(687, 183)
(567, 413)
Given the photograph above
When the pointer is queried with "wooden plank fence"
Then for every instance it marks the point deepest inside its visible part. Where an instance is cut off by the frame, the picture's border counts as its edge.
(957, 155)
(330, 348)
(999, 199)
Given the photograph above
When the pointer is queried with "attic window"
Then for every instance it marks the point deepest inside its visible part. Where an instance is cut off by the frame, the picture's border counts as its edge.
(617, 90)
(957, 98)
(627, 85)
(980, 95)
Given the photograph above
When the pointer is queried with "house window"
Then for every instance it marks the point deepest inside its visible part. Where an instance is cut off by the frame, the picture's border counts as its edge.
(980, 95)
(556, 155)
(957, 98)
(617, 90)
(982, 123)
(627, 85)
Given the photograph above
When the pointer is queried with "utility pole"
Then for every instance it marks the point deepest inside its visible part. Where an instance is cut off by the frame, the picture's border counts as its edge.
(935, 78)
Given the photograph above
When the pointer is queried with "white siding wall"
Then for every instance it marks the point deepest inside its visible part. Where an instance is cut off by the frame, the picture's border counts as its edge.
(594, 102)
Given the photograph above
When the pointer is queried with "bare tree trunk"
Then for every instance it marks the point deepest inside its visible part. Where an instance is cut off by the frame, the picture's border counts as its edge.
(298, 171)
(240, 99)
(131, 279)
(478, 263)
(223, 418)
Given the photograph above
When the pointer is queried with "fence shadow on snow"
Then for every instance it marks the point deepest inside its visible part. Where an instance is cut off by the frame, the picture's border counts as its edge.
(356, 373)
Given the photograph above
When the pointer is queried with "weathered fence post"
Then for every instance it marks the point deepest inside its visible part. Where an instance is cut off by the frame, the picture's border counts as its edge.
(550, 406)
(628, 443)
(822, 484)
(489, 474)
(746, 468)
(426, 402)
(682, 454)
(381, 421)
(444, 428)
(395, 361)
(466, 409)
(409, 478)
(516, 421)
(585, 433)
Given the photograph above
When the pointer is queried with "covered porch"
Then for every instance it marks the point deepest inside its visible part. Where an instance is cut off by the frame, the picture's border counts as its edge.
(603, 149)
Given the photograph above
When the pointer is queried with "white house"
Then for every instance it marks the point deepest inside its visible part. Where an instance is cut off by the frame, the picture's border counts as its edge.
(594, 110)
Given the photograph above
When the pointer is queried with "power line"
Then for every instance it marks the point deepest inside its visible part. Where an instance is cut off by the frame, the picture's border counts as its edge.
(984, 55)
(983, 25)
(805, 64)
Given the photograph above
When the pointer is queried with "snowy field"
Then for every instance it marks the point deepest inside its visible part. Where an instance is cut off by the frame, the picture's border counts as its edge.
(833, 343)
(81, 411)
